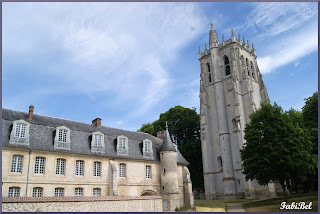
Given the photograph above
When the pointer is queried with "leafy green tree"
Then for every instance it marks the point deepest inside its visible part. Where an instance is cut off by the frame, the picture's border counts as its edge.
(310, 123)
(184, 127)
(275, 148)
(147, 128)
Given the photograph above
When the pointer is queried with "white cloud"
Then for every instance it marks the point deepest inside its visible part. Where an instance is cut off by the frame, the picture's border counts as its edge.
(116, 48)
(272, 18)
(290, 49)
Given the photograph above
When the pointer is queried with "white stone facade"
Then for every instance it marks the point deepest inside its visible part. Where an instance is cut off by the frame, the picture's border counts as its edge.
(231, 88)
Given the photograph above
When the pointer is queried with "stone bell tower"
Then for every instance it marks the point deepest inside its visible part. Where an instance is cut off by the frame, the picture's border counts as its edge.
(231, 88)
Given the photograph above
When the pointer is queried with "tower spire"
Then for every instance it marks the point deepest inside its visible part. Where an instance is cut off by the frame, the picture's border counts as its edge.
(213, 38)
(167, 144)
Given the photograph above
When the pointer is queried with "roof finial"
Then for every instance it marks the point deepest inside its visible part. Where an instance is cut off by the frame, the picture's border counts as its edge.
(211, 26)
(253, 47)
(248, 44)
(232, 34)
(206, 46)
(223, 38)
(239, 38)
(199, 50)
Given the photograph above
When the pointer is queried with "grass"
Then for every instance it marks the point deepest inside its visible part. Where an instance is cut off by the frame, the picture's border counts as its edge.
(210, 206)
(273, 205)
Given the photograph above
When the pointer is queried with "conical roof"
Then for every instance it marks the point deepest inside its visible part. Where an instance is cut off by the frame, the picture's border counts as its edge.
(167, 144)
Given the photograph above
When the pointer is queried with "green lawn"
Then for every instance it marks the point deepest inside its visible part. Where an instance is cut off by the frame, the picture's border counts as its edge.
(210, 206)
(273, 205)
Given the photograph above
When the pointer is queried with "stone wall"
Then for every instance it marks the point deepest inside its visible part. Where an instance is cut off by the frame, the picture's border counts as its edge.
(83, 204)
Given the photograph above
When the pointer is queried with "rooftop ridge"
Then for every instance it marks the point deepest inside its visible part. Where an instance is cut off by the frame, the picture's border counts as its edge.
(78, 122)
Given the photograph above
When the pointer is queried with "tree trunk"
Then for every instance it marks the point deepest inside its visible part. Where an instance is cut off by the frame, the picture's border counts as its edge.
(296, 185)
(284, 191)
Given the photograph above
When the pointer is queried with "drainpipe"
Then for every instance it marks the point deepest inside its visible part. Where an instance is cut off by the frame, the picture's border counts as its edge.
(28, 173)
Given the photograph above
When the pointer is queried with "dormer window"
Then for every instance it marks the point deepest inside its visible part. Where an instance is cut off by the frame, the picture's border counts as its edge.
(97, 143)
(20, 132)
(147, 148)
(62, 138)
(122, 145)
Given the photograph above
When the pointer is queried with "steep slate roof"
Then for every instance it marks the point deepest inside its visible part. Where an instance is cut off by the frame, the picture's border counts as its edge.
(42, 136)
(167, 144)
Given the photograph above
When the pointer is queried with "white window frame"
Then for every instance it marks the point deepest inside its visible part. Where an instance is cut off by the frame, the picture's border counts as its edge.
(148, 172)
(59, 192)
(98, 140)
(37, 192)
(14, 192)
(20, 130)
(122, 170)
(63, 135)
(16, 164)
(60, 166)
(78, 191)
(122, 145)
(97, 169)
(96, 192)
(39, 165)
(79, 168)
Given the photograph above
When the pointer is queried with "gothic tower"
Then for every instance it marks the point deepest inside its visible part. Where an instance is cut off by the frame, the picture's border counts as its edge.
(169, 174)
(231, 88)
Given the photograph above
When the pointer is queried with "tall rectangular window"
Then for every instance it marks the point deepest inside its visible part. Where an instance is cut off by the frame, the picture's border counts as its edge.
(59, 192)
(97, 140)
(14, 192)
(78, 192)
(122, 143)
(16, 165)
(63, 135)
(147, 146)
(97, 169)
(96, 192)
(60, 167)
(39, 165)
(122, 170)
(20, 130)
(37, 192)
(79, 167)
(148, 171)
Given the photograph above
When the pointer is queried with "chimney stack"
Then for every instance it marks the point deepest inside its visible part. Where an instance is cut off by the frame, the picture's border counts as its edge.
(97, 122)
(160, 134)
(31, 107)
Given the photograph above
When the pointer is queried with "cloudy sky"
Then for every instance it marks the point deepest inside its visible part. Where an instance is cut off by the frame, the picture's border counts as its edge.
(129, 62)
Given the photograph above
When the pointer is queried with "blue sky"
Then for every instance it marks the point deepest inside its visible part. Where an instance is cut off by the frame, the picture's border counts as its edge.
(129, 62)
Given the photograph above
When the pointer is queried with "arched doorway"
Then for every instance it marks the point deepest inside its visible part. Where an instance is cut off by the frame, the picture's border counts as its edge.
(148, 193)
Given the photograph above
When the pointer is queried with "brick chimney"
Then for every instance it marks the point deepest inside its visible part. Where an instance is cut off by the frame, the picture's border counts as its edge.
(31, 107)
(160, 134)
(97, 122)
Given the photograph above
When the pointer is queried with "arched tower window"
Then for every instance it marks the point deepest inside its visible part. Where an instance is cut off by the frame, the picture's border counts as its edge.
(220, 161)
(209, 72)
(226, 63)
(247, 63)
(252, 70)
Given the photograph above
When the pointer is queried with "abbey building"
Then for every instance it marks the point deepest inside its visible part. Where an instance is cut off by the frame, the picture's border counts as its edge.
(231, 88)
(50, 157)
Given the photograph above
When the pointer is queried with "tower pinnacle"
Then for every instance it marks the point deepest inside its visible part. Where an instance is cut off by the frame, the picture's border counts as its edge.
(213, 38)
(167, 144)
